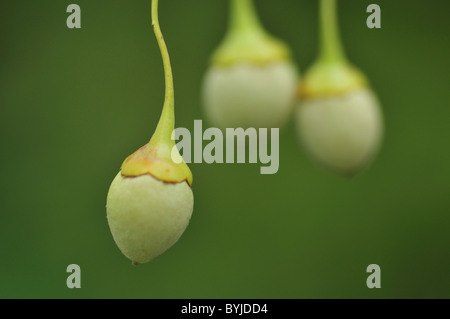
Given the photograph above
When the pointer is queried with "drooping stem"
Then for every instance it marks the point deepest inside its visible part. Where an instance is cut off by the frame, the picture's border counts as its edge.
(243, 16)
(166, 122)
(331, 46)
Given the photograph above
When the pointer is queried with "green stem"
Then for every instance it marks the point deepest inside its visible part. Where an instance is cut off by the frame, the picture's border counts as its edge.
(331, 46)
(166, 122)
(243, 16)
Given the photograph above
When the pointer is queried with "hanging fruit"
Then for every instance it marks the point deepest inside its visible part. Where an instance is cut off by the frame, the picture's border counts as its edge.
(339, 119)
(251, 81)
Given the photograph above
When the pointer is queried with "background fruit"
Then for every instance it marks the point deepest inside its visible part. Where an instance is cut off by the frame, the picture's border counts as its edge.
(246, 95)
(342, 132)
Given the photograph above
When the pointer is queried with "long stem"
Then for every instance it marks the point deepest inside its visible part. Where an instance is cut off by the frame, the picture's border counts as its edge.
(331, 46)
(166, 122)
(243, 16)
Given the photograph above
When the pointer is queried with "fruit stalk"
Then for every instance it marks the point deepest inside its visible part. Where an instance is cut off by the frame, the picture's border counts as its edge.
(331, 48)
(166, 122)
(243, 16)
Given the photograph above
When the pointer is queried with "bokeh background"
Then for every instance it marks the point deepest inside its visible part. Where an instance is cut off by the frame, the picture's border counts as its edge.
(75, 103)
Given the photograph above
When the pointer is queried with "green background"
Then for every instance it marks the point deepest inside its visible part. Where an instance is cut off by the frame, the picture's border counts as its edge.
(75, 103)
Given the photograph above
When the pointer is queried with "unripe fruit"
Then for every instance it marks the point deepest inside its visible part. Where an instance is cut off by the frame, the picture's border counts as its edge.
(247, 95)
(342, 132)
(147, 216)
(339, 118)
(251, 81)
(150, 201)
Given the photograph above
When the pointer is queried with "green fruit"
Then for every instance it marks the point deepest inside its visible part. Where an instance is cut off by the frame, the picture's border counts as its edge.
(150, 201)
(342, 132)
(252, 80)
(339, 119)
(248, 95)
(147, 216)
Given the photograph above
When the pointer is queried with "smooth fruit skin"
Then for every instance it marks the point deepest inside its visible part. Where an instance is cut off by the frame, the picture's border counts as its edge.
(342, 132)
(147, 216)
(250, 95)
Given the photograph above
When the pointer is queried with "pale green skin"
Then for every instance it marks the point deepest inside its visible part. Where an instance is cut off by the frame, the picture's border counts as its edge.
(147, 216)
(250, 95)
(343, 132)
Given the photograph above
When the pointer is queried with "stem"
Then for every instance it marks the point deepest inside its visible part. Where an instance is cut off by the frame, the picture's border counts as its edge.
(331, 46)
(243, 16)
(166, 122)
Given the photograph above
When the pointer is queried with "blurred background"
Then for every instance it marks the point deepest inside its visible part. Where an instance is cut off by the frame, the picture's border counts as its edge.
(75, 103)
